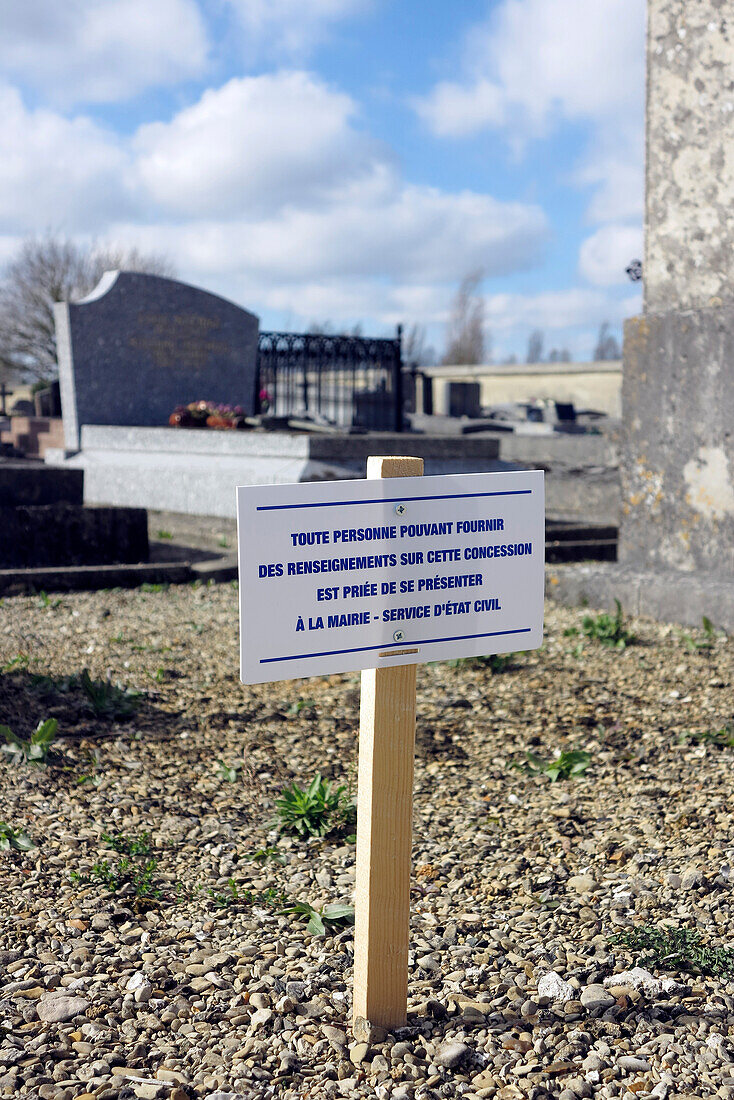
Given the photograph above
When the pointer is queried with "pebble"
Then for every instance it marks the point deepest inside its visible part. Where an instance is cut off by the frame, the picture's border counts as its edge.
(450, 1054)
(519, 888)
(57, 1009)
(555, 988)
(596, 997)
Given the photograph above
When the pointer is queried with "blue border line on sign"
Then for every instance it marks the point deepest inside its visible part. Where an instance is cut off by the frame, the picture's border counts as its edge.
(392, 500)
(394, 645)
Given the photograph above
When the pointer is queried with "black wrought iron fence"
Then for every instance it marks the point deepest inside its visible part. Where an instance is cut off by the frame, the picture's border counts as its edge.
(341, 380)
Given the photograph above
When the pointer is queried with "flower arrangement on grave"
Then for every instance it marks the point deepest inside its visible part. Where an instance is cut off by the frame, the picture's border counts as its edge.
(207, 414)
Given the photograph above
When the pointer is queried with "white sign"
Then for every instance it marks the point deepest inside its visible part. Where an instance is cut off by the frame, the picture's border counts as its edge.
(343, 575)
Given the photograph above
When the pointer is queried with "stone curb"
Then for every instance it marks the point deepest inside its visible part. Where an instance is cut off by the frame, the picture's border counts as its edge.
(15, 582)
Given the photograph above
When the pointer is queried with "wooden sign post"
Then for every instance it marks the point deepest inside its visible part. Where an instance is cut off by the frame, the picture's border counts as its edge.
(344, 575)
(384, 824)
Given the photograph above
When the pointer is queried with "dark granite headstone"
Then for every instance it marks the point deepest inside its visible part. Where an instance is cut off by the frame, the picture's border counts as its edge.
(463, 399)
(139, 345)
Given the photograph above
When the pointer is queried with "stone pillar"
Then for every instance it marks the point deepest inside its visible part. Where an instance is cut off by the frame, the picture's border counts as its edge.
(676, 553)
(678, 387)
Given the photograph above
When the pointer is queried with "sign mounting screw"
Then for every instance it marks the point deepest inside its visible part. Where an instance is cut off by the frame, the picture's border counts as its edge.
(398, 635)
(400, 509)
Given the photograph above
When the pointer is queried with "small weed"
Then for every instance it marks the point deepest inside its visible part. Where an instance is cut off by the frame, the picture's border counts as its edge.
(265, 899)
(722, 739)
(148, 586)
(117, 876)
(128, 845)
(262, 855)
(223, 542)
(544, 900)
(567, 765)
(120, 639)
(302, 705)
(317, 810)
(106, 699)
(676, 949)
(19, 661)
(577, 651)
(164, 534)
(34, 751)
(607, 629)
(47, 685)
(228, 772)
(495, 662)
(698, 645)
(14, 838)
(318, 921)
(47, 601)
(159, 675)
(88, 777)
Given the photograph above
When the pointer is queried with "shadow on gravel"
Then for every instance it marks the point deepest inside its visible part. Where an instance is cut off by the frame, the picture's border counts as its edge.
(84, 707)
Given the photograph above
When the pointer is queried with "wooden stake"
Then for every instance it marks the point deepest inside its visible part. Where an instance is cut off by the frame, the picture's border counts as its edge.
(384, 825)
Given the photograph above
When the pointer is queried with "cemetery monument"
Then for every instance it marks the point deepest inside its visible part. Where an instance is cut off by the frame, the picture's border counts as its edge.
(676, 557)
(140, 344)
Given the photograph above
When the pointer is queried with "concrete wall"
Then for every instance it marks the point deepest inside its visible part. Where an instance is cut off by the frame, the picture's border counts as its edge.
(587, 385)
(689, 247)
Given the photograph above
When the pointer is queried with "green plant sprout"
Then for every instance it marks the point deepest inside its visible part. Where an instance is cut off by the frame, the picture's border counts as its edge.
(318, 810)
(697, 645)
(128, 845)
(14, 838)
(235, 897)
(675, 949)
(318, 921)
(47, 601)
(721, 739)
(116, 876)
(106, 699)
(229, 772)
(300, 706)
(609, 630)
(34, 751)
(495, 662)
(566, 765)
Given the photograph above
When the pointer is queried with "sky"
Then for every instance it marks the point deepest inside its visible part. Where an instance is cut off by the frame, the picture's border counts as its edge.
(341, 161)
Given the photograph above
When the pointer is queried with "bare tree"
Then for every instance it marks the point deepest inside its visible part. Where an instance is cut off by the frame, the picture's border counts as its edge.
(50, 270)
(607, 345)
(534, 353)
(416, 352)
(466, 340)
(559, 355)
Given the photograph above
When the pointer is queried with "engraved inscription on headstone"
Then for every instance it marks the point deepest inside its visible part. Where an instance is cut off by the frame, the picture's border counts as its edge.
(139, 345)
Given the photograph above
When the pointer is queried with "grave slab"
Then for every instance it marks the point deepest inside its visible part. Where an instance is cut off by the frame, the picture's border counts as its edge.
(140, 344)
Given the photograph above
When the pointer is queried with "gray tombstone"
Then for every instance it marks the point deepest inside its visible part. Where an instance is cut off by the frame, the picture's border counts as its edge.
(139, 345)
(463, 399)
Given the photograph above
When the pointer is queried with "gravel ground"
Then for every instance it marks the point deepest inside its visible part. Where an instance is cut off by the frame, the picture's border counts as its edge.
(519, 883)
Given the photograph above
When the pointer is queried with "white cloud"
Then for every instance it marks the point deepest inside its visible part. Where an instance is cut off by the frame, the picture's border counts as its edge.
(95, 51)
(614, 168)
(272, 175)
(534, 60)
(289, 28)
(556, 310)
(457, 110)
(252, 145)
(604, 255)
(56, 173)
(534, 64)
(266, 189)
